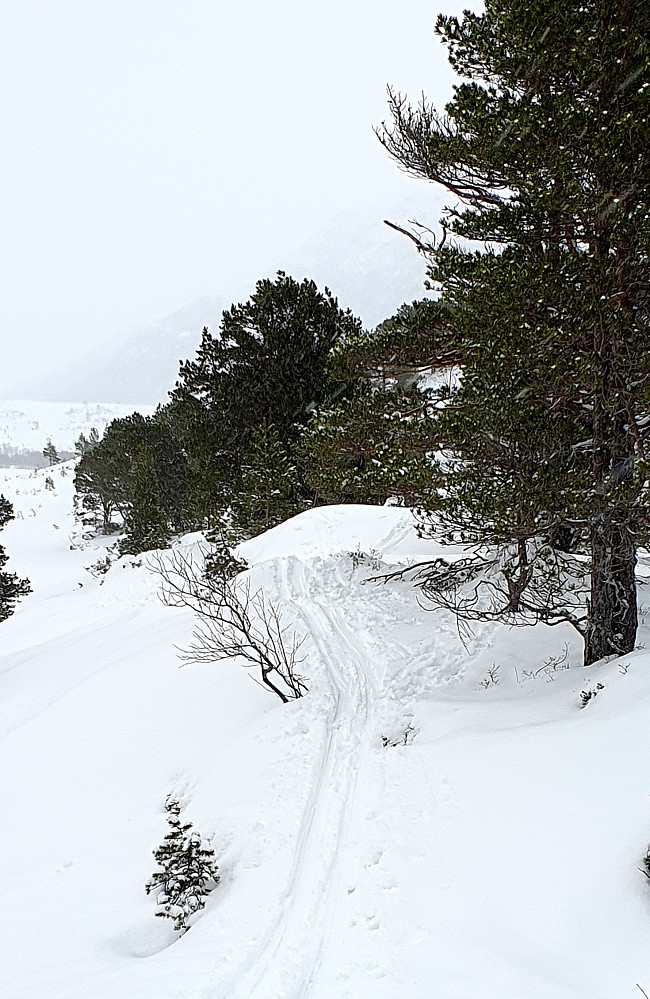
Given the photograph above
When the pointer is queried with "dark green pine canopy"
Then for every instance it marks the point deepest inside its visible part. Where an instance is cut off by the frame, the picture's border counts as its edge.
(545, 265)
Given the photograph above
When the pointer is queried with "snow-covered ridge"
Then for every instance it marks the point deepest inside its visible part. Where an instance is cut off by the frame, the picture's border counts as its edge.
(29, 424)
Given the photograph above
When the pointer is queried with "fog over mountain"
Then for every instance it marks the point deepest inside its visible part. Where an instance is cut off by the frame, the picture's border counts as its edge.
(370, 269)
(140, 368)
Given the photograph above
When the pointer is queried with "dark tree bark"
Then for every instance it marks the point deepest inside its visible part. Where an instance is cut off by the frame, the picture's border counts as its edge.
(612, 621)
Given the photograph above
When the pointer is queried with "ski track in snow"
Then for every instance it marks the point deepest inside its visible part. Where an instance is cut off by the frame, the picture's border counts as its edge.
(286, 962)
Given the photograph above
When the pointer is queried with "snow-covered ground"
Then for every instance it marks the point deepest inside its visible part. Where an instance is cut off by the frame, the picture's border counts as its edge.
(27, 425)
(437, 819)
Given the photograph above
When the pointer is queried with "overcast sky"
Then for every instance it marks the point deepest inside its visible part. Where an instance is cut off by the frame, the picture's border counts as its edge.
(155, 151)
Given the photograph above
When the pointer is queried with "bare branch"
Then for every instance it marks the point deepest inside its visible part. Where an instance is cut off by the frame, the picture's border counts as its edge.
(232, 622)
(425, 248)
(410, 139)
(520, 588)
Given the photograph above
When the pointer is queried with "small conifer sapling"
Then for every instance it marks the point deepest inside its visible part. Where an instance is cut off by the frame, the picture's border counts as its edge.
(188, 872)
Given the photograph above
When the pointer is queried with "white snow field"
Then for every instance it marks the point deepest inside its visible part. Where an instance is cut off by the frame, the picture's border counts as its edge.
(410, 828)
(29, 425)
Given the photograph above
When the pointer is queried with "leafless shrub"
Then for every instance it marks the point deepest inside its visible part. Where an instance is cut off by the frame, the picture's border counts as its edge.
(550, 666)
(554, 664)
(491, 677)
(233, 622)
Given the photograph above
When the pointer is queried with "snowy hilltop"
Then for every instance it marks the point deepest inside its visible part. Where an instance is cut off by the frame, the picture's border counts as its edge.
(441, 815)
(26, 426)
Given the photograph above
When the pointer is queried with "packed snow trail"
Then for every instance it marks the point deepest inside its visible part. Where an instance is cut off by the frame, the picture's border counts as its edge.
(284, 964)
(363, 682)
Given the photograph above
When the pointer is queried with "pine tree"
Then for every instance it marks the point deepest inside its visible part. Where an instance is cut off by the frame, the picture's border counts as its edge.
(145, 522)
(269, 484)
(51, 453)
(188, 873)
(267, 366)
(373, 446)
(377, 440)
(545, 150)
(105, 473)
(101, 479)
(11, 587)
(84, 444)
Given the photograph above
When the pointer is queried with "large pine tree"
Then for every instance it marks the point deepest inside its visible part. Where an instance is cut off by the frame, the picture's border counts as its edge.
(545, 150)
(263, 372)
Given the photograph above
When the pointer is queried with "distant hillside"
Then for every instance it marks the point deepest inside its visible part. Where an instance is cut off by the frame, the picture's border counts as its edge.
(370, 269)
(143, 366)
(26, 427)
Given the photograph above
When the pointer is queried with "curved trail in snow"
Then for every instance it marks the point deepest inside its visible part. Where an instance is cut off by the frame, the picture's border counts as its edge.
(287, 958)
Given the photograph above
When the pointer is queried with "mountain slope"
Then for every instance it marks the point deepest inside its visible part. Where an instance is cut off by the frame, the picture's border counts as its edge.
(409, 827)
(370, 268)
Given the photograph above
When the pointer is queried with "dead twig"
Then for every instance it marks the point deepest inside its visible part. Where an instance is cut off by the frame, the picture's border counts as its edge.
(425, 248)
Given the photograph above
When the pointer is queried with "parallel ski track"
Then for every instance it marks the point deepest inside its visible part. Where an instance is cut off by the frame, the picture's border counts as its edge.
(287, 959)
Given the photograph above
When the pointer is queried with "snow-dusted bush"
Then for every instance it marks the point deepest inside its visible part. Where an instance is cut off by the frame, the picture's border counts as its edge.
(188, 873)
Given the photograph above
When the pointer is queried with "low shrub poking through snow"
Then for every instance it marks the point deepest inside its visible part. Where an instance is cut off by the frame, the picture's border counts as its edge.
(586, 695)
(646, 864)
(188, 872)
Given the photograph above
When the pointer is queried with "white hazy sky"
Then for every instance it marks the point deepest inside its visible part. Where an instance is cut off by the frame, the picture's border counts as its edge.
(155, 151)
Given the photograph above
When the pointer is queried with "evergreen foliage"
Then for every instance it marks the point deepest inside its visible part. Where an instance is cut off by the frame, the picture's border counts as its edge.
(373, 446)
(101, 475)
(377, 441)
(418, 338)
(84, 444)
(223, 454)
(50, 452)
(250, 388)
(268, 488)
(146, 523)
(111, 473)
(187, 871)
(545, 151)
(12, 588)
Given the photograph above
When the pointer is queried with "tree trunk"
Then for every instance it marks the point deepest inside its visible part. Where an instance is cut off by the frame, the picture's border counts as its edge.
(518, 579)
(612, 624)
(107, 510)
(612, 609)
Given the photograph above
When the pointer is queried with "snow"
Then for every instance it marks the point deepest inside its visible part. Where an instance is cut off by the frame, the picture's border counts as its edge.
(27, 425)
(409, 828)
